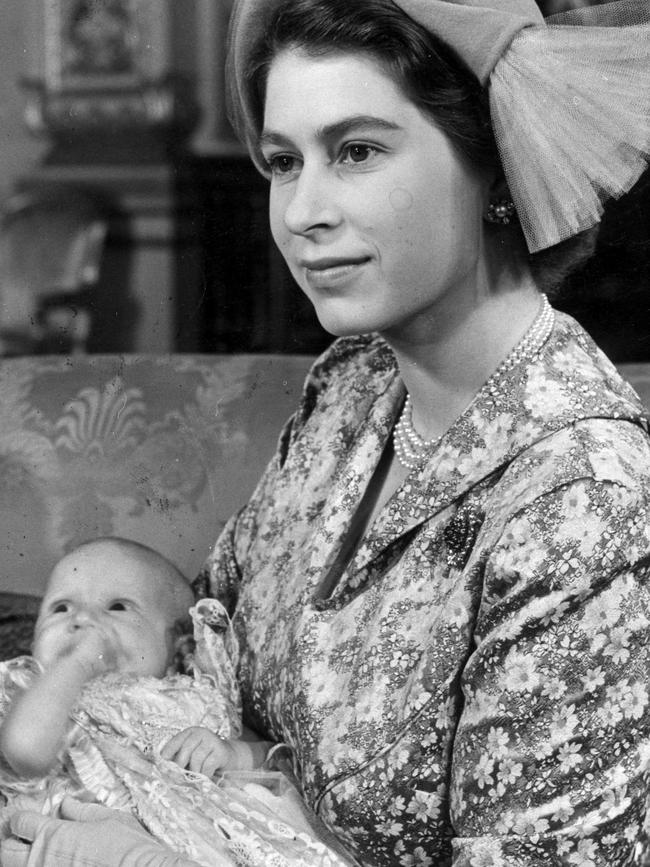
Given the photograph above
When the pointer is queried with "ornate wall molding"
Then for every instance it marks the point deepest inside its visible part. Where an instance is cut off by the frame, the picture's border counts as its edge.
(106, 66)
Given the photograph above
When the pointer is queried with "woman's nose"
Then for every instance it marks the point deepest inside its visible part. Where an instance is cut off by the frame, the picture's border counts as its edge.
(312, 205)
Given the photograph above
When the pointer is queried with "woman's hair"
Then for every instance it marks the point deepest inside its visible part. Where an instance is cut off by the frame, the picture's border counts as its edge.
(429, 73)
(552, 267)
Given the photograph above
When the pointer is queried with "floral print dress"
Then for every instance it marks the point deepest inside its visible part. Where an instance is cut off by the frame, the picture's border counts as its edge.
(112, 756)
(475, 690)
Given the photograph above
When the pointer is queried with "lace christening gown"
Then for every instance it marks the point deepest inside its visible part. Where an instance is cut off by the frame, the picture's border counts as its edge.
(112, 755)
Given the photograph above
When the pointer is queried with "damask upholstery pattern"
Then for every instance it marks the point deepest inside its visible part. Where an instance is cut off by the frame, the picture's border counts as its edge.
(162, 449)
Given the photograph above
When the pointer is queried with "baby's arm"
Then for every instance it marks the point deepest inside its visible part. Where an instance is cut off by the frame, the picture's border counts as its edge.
(200, 750)
(38, 720)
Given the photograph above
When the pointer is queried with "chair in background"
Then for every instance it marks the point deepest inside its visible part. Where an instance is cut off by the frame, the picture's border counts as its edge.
(51, 244)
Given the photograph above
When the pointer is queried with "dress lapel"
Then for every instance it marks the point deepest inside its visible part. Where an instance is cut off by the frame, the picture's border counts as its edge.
(531, 403)
(355, 472)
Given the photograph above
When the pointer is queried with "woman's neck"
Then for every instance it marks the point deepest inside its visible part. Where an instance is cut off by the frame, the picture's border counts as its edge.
(443, 369)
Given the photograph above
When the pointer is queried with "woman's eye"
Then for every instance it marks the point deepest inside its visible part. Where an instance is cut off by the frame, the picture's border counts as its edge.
(282, 164)
(117, 606)
(357, 153)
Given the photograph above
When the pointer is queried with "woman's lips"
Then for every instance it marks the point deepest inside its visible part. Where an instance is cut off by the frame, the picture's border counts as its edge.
(323, 273)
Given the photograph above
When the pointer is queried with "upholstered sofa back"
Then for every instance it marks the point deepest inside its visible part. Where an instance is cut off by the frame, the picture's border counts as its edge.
(162, 449)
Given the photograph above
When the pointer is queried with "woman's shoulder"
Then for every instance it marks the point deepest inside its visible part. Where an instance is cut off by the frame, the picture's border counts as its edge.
(573, 380)
(604, 451)
(580, 422)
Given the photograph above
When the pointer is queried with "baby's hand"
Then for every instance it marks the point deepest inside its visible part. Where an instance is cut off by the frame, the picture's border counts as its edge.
(200, 750)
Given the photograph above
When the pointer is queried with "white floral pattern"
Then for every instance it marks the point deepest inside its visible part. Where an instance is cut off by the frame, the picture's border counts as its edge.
(473, 692)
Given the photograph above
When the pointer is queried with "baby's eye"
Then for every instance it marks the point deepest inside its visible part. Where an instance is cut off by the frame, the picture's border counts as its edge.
(60, 608)
(118, 605)
(358, 153)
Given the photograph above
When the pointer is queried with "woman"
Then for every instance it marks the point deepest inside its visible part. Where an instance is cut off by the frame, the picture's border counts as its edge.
(440, 584)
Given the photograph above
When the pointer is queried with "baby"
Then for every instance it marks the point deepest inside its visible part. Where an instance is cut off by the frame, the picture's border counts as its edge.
(98, 711)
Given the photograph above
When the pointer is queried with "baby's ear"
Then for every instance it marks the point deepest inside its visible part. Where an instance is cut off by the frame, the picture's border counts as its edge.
(183, 625)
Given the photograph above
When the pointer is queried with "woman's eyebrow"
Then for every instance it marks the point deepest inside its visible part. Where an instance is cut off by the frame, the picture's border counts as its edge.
(345, 126)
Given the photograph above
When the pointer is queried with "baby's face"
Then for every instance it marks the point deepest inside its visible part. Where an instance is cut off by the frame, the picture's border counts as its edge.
(104, 587)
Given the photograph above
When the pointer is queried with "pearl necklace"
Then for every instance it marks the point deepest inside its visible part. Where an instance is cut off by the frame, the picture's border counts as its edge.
(411, 448)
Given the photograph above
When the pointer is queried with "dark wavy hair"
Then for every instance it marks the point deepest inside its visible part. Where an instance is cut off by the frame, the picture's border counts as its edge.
(429, 73)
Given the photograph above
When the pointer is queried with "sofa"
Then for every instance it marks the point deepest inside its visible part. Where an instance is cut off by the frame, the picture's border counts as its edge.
(161, 449)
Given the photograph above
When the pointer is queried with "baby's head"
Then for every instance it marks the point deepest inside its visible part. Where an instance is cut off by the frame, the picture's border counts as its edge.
(131, 593)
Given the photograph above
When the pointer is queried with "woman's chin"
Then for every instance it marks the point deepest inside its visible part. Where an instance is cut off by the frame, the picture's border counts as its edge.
(341, 331)
(346, 323)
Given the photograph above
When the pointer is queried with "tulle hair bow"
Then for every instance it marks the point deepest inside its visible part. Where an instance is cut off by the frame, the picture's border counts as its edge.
(569, 98)
(570, 105)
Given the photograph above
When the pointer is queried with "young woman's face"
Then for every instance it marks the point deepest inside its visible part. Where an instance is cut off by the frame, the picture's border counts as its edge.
(103, 587)
(378, 217)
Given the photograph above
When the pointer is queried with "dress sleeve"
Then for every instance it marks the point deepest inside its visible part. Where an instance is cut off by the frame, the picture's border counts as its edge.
(555, 732)
(221, 573)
